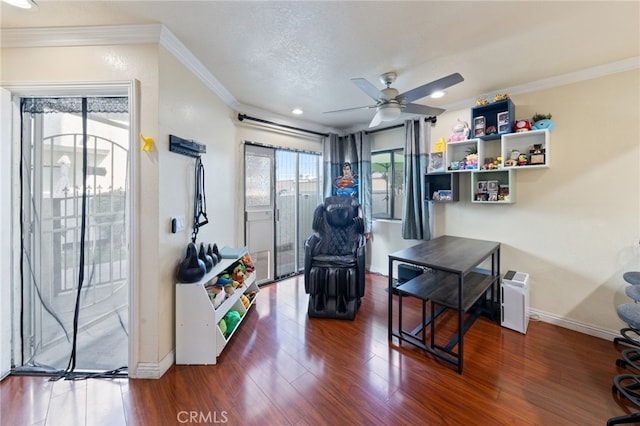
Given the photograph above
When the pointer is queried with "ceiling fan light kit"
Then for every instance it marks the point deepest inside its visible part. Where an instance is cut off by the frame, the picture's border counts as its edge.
(390, 104)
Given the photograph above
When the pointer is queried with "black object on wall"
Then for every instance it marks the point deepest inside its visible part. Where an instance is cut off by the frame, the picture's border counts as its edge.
(186, 147)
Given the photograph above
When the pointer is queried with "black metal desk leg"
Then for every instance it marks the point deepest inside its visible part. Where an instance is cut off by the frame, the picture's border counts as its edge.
(460, 323)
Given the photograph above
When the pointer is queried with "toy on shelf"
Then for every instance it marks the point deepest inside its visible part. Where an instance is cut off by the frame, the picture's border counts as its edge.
(222, 325)
(542, 121)
(522, 126)
(225, 279)
(245, 301)
(216, 294)
(522, 160)
(248, 264)
(500, 97)
(460, 131)
(229, 290)
(239, 273)
(232, 318)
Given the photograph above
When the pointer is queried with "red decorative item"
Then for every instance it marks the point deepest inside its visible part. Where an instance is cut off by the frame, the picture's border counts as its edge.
(522, 126)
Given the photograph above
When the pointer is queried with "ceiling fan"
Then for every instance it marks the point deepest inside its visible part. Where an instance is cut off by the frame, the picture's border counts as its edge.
(390, 104)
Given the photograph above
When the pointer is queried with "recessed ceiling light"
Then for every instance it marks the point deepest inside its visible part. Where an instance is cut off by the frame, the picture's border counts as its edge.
(22, 4)
(438, 94)
(297, 111)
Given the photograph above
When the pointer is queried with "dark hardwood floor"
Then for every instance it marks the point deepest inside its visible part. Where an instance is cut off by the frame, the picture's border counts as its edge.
(282, 368)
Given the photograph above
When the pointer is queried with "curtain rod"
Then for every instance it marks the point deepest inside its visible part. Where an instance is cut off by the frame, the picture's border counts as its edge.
(432, 119)
(246, 117)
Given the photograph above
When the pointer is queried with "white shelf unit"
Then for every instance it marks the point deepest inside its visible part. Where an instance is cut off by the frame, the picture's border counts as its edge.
(504, 179)
(522, 141)
(457, 151)
(199, 340)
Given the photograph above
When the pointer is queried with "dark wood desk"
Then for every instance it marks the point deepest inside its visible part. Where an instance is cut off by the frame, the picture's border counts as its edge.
(451, 281)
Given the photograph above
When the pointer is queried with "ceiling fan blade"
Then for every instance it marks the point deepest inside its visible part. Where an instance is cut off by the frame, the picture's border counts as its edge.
(429, 88)
(350, 109)
(422, 109)
(377, 119)
(367, 87)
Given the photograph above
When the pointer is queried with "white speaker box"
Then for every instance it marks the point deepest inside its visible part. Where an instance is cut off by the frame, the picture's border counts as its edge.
(514, 291)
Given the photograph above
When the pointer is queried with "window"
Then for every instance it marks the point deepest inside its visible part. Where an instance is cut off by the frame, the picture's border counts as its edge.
(387, 178)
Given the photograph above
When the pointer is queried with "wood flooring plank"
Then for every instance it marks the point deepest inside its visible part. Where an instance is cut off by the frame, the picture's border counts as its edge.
(24, 400)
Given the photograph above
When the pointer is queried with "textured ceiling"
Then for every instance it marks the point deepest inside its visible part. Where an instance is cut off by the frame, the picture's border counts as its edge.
(274, 56)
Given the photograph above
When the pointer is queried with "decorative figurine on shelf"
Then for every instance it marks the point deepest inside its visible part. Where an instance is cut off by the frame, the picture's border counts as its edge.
(460, 131)
(481, 102)
(542, 121)
(522, 126)
(500, 97)
(513, 159)
(522, 160)
(346, 185)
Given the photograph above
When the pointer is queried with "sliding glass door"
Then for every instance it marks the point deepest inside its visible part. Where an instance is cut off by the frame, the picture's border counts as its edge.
(293, 196)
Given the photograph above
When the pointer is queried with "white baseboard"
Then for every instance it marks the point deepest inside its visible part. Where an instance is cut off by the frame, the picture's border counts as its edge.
(580, 327)
(150, 370)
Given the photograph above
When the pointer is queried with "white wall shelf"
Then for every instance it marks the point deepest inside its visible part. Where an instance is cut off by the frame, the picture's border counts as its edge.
(524, 142)
(457, 151)
(492, 187)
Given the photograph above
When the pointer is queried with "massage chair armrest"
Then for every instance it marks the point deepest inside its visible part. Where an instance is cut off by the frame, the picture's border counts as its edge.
(309, 246)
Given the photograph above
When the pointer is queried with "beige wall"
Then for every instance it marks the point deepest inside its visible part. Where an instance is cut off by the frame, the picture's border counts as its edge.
(190, 110)
(575, 226)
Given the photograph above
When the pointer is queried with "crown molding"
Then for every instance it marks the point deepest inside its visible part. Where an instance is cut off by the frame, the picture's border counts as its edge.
(114, 35)
(624, 65)
(80, 36)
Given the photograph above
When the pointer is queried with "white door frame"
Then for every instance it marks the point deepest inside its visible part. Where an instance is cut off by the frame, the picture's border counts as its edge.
(113, 88)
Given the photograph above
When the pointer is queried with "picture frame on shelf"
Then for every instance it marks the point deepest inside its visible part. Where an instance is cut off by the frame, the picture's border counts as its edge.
(493, 196)
(493, 186)
(481, 187)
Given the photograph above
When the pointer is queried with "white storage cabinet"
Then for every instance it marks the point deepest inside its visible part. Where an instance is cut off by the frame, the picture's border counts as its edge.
(199, 340)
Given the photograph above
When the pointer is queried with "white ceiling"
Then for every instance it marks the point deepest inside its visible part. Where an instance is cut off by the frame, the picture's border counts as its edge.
(274, 56)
